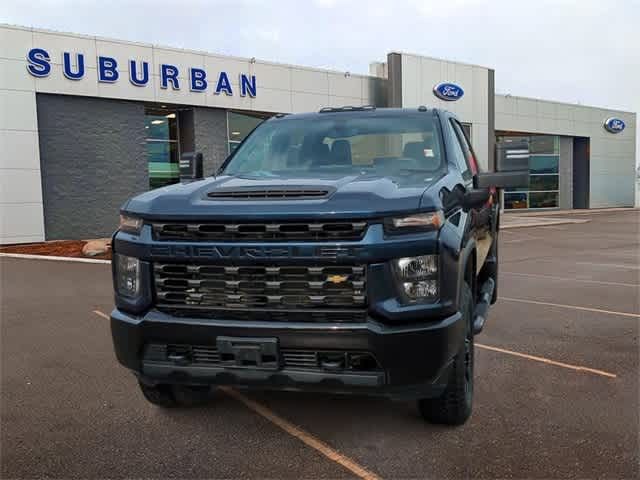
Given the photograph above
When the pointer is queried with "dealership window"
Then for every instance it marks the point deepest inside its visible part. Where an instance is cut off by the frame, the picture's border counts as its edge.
(240, 125)
(161, 130)
(544, 178)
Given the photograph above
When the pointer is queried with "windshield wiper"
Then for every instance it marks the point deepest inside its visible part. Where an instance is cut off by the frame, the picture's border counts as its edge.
(416, 170)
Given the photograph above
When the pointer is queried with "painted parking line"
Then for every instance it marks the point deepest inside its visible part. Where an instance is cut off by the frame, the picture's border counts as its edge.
(101, 314)
(54, 259)
(548, 361)
(569, 279)
(572, 307)
(611, 265)
(302, 435)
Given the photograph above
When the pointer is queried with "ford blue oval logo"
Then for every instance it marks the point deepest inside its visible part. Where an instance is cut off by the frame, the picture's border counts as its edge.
(614, 125)
(449, 92)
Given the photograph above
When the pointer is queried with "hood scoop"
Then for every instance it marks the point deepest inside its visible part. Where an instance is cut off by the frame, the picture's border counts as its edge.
(272, 193)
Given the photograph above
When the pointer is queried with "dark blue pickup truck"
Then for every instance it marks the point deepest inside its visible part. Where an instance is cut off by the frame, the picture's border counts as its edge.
(353, 250)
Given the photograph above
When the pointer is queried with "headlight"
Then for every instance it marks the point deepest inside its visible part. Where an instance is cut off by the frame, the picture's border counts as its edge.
(418, 276)
(130, 224)
(127, 275)
(416, 222)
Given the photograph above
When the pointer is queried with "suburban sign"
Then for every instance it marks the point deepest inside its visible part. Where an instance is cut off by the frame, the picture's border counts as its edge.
(614, 125)
(109, 71)
(449, 92)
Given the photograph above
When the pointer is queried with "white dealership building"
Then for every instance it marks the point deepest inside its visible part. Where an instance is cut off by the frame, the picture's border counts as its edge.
(86, 122)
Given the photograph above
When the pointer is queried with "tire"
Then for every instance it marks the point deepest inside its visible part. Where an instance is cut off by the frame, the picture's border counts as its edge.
(191, 396)
(171, 396)
(160, 395)
(454, 406)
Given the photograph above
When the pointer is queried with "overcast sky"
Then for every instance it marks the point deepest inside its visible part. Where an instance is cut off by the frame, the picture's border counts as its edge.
(583, 51)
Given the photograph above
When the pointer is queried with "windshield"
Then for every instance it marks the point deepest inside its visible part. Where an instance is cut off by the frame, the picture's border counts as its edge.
(385, 145)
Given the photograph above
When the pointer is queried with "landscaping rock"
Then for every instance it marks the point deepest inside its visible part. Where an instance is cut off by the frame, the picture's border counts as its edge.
(96, 247)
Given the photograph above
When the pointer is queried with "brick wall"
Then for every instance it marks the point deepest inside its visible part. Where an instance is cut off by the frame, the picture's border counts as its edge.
(93, 158)
(210, 131)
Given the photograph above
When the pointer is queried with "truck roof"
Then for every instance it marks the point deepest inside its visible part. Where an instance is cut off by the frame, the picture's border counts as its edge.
(367, 111)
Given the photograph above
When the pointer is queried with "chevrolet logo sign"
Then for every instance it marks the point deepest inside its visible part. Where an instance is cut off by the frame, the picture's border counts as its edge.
(337, 278)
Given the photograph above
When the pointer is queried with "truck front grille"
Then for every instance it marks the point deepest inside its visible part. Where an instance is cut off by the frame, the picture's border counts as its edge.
(270, 288)
(260, 231)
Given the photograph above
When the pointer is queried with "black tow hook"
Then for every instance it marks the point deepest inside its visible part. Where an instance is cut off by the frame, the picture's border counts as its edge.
(182, 360)
(482, 307)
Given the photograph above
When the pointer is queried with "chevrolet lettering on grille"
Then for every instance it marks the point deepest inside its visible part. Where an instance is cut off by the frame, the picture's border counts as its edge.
(220, 252)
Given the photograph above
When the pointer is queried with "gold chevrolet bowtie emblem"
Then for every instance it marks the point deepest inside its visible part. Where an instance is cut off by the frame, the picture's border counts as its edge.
(337, 278)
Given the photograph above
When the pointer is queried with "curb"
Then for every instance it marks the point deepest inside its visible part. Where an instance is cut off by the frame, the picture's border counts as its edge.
(575, 212)
(543, 223)
(55, 259)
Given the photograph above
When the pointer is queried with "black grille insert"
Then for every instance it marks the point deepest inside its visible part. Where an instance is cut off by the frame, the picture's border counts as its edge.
(260, 231)
(200, 355)
(260, 287)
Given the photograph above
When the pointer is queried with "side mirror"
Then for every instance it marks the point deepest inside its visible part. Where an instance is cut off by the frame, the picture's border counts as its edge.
(191, 167)
(509, 179)
(512, 166)
(475, 198)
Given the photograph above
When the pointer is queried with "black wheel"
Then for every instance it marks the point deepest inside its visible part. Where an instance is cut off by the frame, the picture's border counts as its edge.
(191, 396)
(170, 396)
(160, 395)
(454, 406)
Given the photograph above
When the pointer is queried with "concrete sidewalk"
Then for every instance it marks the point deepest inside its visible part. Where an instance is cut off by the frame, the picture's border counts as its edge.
(555, 217)
(509, 220)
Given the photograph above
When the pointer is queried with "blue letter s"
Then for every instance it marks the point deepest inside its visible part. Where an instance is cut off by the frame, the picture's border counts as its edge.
(39, 65)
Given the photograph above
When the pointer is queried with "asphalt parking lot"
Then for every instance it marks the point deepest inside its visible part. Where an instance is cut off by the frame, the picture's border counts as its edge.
(570, 301)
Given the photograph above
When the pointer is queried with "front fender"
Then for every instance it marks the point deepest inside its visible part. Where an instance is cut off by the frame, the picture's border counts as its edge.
(457, 248)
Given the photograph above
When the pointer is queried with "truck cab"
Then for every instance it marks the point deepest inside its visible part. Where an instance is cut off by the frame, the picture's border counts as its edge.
(351, 250)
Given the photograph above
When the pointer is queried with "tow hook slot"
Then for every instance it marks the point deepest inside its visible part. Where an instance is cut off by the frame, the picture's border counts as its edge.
(241, 352)
(180, 359)
(332, 361)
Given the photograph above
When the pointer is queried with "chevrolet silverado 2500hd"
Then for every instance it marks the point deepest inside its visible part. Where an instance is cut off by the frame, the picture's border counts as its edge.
(352, 250)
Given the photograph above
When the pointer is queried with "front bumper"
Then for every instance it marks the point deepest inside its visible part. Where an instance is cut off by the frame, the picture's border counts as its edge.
(413, 359)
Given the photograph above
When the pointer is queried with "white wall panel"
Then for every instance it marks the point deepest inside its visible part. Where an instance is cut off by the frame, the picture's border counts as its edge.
(341, 86)
(21, 222)
(309, 81)
(14, 75)
(15, 42)
(19, 149)
(277, 77)
(20, 186)
(308, 102)
(272, 101)
(335, 101)
(18, 110)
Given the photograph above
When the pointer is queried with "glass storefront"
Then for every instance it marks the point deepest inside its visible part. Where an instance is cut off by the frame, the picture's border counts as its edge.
(240, 125)
(161, 129)
(544, 177)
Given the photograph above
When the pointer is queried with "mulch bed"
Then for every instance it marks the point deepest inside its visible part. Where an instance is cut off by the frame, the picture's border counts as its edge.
(62, 248)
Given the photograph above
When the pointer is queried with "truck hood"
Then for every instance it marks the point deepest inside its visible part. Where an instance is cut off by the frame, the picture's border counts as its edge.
(348, 196)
